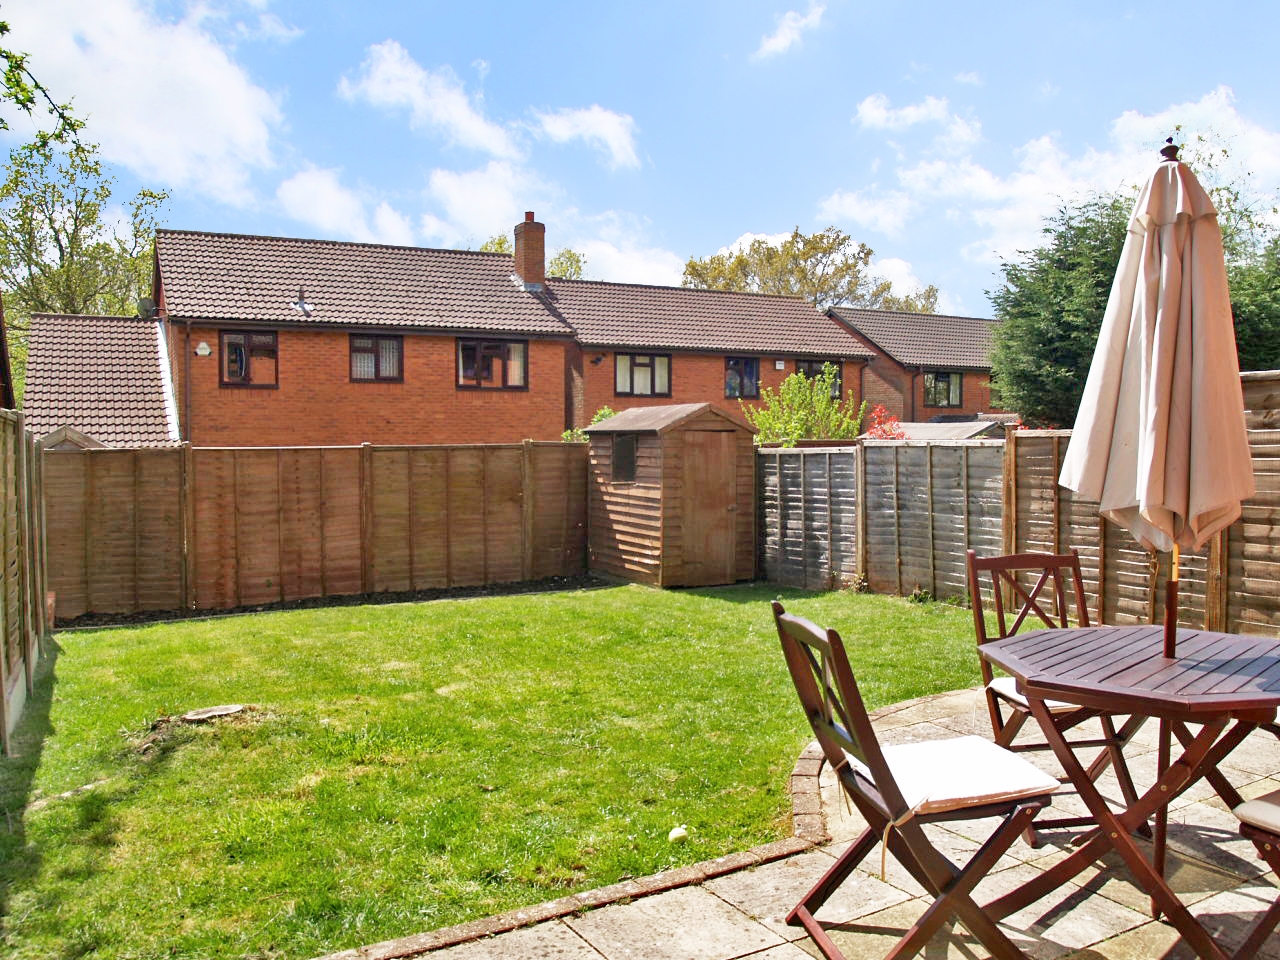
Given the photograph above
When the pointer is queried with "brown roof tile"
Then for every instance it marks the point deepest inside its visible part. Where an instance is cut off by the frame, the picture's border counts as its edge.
(229, 277)
(101, 376)
(925, 339)
(677, 318)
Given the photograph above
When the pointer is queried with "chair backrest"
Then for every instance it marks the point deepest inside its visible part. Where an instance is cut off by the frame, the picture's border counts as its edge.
(829, 695)
(1045, 607)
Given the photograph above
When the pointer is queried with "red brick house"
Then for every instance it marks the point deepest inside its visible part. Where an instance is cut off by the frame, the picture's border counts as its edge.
(268, 341)
(925, 365)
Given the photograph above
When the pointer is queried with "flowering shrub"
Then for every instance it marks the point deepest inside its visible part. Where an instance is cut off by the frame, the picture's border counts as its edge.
(884, 425)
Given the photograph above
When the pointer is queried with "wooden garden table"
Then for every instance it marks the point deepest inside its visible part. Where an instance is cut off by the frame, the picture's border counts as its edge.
(1228, 683)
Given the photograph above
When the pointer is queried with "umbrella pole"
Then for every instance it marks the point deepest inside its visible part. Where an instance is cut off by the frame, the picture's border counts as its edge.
(1171, 608)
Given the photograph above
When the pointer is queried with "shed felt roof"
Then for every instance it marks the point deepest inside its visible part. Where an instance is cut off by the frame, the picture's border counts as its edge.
(228, 277)
(636, 316)
(102, 376)
(660, 419)
(925, 339)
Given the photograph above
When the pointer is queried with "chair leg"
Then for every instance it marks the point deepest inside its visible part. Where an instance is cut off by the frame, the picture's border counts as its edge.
(1269, 851)
(954, 899)
(1006, 734)
(802, 914)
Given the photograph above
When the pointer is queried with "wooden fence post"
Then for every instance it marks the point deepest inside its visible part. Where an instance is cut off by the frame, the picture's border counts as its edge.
(1009, 527)
(528, 491)
(1216, 597)
(860, 511)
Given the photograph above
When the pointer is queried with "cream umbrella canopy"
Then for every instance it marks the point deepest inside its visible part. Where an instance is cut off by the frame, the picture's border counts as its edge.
(1159, 439)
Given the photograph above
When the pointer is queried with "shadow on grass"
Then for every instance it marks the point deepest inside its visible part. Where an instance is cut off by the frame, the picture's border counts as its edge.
(754, 592)
(19, 861)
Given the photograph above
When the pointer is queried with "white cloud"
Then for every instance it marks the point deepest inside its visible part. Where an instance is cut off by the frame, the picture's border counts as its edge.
(612, 133)
(970, 77)
(164, 98)
(270, 28)
(743, 242)
(875, 113)
(476, 204)
(318, 198)
(885, 213)
(790, 26)
(389, 77)
(630, 262)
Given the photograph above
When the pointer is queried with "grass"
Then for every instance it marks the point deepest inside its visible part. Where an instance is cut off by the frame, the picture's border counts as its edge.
(412, 766)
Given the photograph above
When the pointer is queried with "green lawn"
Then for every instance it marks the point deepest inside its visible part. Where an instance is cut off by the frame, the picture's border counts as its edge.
(412, 766)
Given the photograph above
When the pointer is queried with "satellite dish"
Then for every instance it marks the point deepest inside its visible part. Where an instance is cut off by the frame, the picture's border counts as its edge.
(146, 307)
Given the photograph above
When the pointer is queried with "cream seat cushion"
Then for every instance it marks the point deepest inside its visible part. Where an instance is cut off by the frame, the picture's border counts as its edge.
(1007, 687)
(935, 776)
(1262, 812)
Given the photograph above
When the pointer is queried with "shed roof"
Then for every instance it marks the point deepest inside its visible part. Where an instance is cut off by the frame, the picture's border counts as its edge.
(925, 339)
(660, 419)
(106, 377)
(968, 430)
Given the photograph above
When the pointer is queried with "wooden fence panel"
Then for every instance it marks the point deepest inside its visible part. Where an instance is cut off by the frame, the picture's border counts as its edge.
(503, 514)
(302, 526)
(158, 520)
(557, 509)
(66, 481)
(342, 517)
(429, 507)
(213, 540)
(808, 516)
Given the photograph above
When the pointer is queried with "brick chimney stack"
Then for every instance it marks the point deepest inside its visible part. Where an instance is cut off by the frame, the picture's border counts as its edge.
(531, 253)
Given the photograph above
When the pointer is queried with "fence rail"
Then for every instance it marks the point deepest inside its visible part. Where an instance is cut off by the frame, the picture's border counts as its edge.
(218, 528)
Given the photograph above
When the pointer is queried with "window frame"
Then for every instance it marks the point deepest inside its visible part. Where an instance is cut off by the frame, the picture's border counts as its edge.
(652, 365)
(742, 394)
(486, 347)
(955, 385)
(245, 382)
(377, 338)
(838, 393)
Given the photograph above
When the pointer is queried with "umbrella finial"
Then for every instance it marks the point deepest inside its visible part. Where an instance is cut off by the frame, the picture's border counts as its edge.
(1170, 150)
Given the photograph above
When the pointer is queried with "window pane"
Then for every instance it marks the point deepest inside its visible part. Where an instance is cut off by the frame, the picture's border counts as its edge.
(624, 457)
(662, 375)
(361, 365)
(642, 381)
(235, 357)
(468, 354)
(515, 364)
(389, 358)
(750, 377)
(955, 389)
(262, 368)
(621, 373)
(362, 343)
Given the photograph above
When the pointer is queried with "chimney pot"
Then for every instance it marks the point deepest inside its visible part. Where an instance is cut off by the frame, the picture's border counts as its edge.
(528, 216)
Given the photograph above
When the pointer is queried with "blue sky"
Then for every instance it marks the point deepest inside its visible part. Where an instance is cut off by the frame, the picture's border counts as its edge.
(940, 134)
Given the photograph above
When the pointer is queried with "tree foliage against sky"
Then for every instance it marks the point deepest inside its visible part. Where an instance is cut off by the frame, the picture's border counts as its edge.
(566, 264)
(827, 268)
(63, 249)
(1053, 298)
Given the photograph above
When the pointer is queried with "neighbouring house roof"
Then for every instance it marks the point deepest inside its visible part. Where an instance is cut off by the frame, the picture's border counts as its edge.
(971, 430)
(924, 339)
(634, 316)
(228, 277)
(104, 377)
(660, 419)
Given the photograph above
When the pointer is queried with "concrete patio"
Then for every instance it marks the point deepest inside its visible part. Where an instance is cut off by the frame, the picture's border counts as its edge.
(735, 907)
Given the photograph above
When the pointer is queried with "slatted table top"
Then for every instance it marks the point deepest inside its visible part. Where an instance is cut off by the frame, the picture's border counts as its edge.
(1122, 669)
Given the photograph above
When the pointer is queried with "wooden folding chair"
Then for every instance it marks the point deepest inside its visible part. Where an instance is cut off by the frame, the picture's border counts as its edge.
(1042, 604)
(899, 789)
(1260, 822)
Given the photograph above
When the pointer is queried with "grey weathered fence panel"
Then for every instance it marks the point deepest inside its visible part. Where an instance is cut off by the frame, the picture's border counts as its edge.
(808, 516)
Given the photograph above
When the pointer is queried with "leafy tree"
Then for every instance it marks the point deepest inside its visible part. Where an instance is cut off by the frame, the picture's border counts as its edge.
(59, 253)
(826, 268)
(802, 408)
(21, 88)
(578, 435)
(1255, 303)
(567, 264)
(1050, 310)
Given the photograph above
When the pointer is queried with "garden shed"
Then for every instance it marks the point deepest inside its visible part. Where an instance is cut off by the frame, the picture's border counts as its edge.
(672, 496)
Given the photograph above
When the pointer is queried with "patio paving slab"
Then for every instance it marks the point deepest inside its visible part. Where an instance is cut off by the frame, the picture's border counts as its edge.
(735, 907)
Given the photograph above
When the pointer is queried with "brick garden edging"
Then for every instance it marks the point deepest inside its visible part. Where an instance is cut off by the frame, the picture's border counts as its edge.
(808, 826)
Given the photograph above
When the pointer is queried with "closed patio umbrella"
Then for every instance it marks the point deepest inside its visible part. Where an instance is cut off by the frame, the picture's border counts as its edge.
(1159, 439)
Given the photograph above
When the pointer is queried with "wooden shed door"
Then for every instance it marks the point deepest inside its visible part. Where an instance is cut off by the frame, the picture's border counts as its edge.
(710, 502)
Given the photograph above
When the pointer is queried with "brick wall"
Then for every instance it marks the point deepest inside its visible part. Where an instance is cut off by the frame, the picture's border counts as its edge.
(317, 404)
(695, 378)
